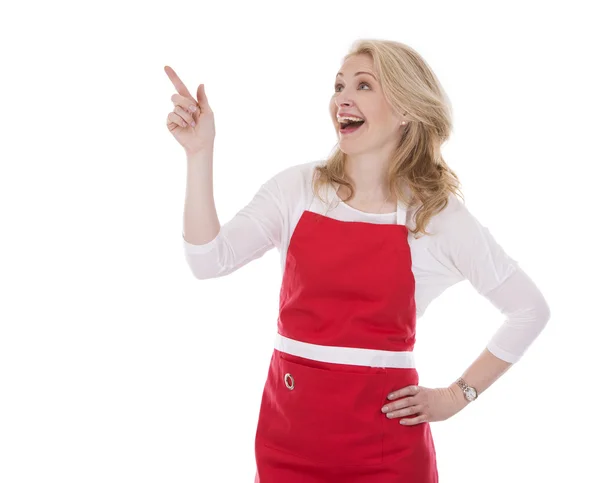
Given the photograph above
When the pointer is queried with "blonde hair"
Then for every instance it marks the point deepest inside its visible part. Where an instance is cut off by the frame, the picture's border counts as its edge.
(409, 86)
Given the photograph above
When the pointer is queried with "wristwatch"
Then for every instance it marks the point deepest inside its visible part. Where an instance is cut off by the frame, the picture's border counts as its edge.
(469, 391)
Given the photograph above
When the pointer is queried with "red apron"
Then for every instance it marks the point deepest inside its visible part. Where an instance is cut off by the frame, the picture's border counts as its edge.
(346, 330)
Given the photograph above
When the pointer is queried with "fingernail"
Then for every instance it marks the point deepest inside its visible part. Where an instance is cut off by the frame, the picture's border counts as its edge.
(390, 396)
(385, 409)
(193, 123)
(193, 108)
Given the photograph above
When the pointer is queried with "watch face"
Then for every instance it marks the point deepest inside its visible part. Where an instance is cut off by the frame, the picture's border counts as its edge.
(470, 393)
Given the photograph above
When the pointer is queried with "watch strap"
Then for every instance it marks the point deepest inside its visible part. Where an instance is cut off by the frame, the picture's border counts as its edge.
(461, 383)
(465, 389)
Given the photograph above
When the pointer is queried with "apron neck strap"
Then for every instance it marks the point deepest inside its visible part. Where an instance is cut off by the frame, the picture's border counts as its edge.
(401, 210)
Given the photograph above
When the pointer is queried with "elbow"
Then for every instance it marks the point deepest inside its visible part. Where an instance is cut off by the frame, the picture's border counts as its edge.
(201, 275)
(203, 272)
(546, 314)
(205, 269)
(536, 311)
(202, 261)
(542, 313)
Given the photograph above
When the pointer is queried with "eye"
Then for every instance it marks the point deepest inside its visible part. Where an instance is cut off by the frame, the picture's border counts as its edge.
(337, 85)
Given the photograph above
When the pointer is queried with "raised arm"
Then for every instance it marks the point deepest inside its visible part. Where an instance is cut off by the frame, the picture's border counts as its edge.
(212, 250)
(200, 221)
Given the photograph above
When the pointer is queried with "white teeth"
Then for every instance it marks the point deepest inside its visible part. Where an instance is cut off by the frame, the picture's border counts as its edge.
(348, 118)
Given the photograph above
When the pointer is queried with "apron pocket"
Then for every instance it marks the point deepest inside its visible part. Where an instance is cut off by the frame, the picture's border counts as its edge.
(331, 417)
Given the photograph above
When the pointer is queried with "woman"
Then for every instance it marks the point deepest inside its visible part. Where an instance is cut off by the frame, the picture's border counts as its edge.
(368, 239)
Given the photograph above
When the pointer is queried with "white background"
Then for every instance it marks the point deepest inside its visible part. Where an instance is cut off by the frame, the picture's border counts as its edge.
(116, 365)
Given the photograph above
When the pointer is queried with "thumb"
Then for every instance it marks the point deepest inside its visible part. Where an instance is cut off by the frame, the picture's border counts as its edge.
(201, 96)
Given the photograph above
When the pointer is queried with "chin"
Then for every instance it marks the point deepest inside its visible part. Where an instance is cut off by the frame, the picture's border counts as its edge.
(352, 150)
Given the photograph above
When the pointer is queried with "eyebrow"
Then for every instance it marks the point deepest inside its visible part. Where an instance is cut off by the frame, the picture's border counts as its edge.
(360, 72)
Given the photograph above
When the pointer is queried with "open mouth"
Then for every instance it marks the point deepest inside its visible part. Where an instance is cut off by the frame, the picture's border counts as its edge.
(350, 127)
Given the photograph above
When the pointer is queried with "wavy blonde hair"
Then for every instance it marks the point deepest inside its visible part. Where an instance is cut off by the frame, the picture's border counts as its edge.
(409, 86)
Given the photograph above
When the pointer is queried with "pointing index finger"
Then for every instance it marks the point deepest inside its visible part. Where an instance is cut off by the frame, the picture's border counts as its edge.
(179, 85)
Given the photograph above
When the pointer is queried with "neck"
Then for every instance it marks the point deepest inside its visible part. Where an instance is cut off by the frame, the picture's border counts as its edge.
(369, 178)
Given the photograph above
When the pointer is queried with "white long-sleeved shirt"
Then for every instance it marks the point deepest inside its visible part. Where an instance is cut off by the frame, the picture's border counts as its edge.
(459, 248)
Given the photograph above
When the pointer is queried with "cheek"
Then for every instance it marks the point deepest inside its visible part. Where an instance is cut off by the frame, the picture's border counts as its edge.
(385, 121)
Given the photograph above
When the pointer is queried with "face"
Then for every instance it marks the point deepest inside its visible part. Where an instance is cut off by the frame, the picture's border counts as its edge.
(360, 95)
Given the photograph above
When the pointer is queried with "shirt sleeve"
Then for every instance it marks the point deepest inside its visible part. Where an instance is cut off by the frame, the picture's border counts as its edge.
(527, 312)
(253, 231)
(467, 248)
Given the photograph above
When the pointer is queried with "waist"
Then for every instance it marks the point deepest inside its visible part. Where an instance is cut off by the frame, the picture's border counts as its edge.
(345, 355)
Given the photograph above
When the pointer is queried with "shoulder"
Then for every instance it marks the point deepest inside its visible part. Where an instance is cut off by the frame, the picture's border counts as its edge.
(296, 172)
(293, 178)
(461, 241)
(290, 186)
(457, 232)
(455, 221)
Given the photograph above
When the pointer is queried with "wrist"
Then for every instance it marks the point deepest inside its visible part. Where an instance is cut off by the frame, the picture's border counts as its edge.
(200, 157)
(463, 390)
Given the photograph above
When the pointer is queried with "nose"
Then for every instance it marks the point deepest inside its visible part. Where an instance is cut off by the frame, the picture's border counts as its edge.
(344, 102)
(344, 98)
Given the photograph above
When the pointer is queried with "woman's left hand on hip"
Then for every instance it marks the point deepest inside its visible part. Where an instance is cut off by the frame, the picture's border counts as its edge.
(418, 404)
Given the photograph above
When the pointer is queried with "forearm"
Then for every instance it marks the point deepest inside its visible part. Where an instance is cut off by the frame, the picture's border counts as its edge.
(200, 221)
(481, 374)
